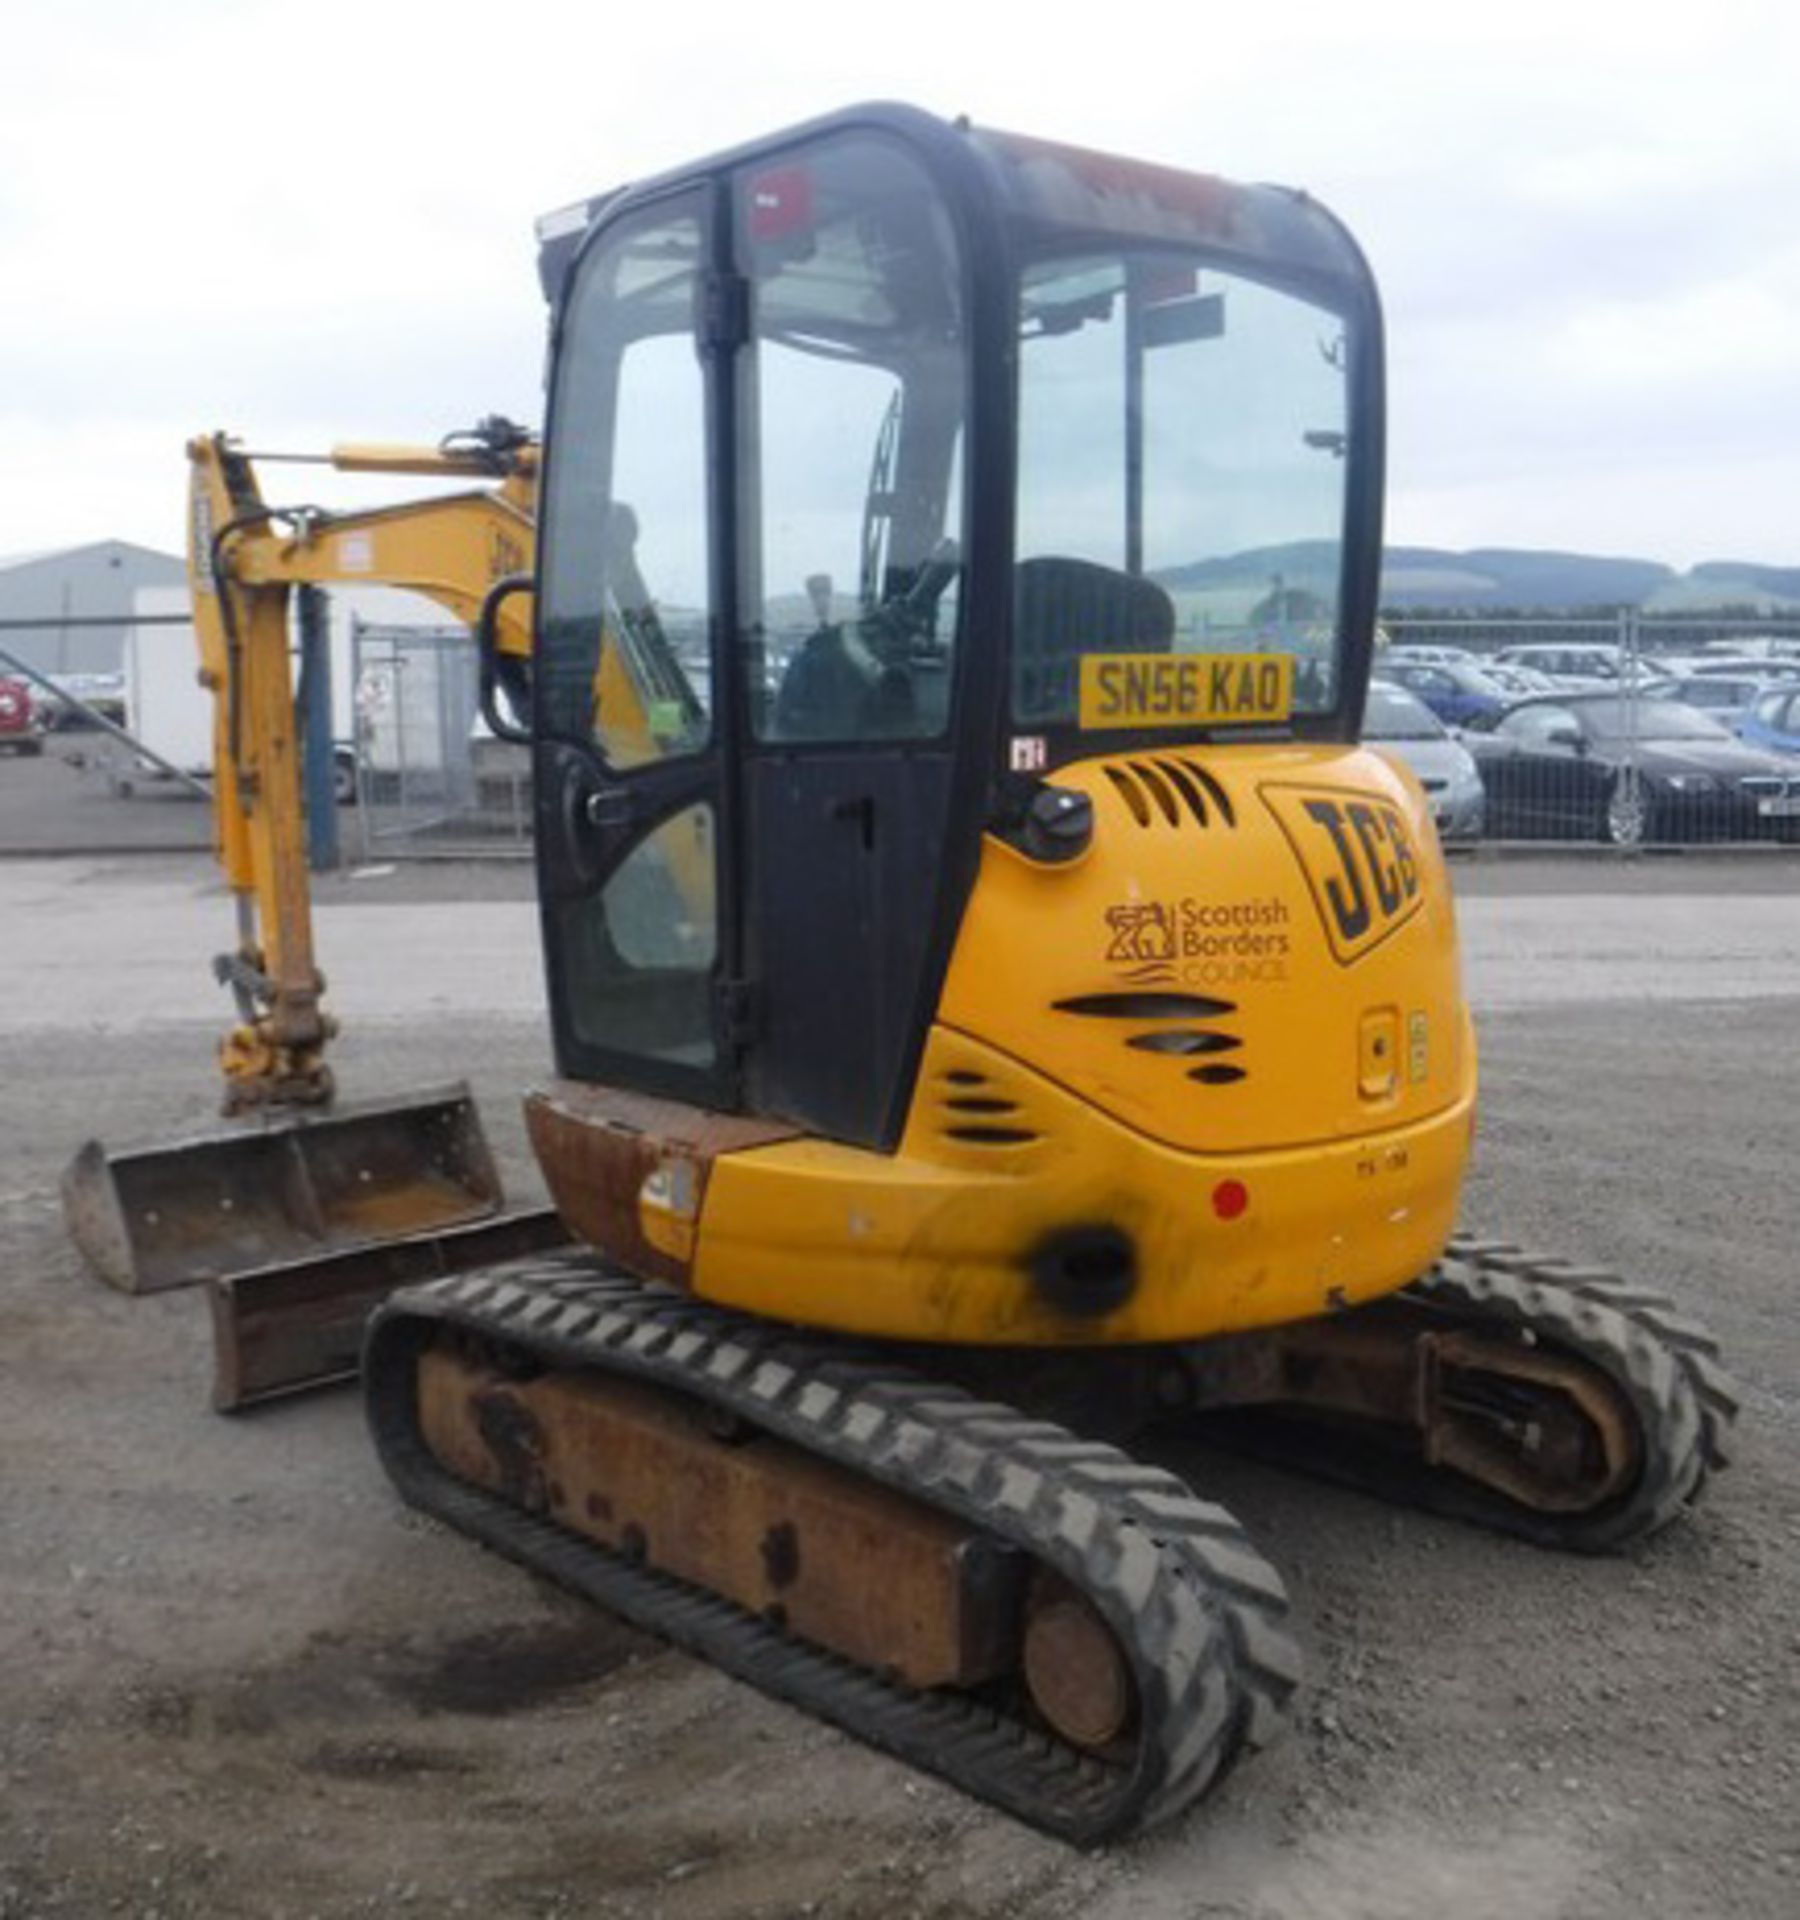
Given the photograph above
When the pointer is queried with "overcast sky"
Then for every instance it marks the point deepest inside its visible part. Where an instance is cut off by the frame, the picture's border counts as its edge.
(312, 222)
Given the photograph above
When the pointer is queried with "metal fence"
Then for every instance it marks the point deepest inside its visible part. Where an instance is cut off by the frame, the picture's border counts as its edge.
(431, 780)
(1578, 765)
(1618, 746)
(1655, 635)
(1629, 729)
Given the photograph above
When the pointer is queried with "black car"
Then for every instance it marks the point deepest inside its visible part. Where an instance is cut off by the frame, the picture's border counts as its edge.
(1628, 770)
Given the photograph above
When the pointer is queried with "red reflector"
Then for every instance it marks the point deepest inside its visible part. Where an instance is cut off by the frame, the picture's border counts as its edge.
(1230, 1198)
(781, 203)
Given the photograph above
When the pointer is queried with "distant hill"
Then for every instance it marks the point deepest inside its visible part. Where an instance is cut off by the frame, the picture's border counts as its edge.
(1781, 582)
(1517, 580)
(1530, 580)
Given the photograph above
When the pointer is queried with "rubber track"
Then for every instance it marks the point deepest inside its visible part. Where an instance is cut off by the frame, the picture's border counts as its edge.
(1200, 1614)
(1621, 1342)
(1696, 1351)
(1667, 1368)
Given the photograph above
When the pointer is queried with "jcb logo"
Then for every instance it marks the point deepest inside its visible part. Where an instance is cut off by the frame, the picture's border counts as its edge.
(1359, 861)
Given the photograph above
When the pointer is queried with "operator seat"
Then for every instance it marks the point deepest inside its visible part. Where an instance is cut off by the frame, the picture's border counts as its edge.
(1063, 608)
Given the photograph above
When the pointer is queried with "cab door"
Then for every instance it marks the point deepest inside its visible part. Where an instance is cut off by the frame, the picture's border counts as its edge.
(750, 749)
(852, 399)
(632, 763)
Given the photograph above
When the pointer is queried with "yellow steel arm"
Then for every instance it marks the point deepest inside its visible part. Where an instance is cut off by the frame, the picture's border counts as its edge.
(244, 559)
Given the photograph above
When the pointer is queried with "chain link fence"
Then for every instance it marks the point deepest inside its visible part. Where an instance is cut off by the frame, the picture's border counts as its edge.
(431, 780)
(1629, 729)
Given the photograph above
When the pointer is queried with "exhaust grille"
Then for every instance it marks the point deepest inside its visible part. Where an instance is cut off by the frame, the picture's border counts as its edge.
(1171, 791)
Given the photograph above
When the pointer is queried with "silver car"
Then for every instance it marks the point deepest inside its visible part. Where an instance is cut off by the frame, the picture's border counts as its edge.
(1406, 729)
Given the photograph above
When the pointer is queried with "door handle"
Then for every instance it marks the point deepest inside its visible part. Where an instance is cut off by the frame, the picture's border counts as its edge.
(609, 808)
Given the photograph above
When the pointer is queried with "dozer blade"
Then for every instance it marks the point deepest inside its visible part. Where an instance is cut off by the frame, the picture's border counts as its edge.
(277, 1330)
(280, 1192)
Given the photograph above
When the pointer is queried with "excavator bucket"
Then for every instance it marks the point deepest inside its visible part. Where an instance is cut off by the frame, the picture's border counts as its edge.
(280, 1191)
(299, 1227)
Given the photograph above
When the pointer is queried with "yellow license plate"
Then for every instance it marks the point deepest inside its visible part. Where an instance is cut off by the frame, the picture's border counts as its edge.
(1185, 689)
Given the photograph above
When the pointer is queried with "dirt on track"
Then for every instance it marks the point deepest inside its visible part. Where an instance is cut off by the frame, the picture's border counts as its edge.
(237, 1679)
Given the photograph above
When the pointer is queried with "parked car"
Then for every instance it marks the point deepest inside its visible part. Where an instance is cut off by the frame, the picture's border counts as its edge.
(1773, 721)
(1742, 665)
(103, 692)
(19, 729)
(1460, 695)
(1592, 663)
(1726, 696)
(1566, 660)
(1518, 681)
(1406, 729)
(1595, 766)
(1428, 656)
(1757, 646)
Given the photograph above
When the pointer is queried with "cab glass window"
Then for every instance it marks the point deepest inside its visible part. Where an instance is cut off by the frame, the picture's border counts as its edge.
(852, 404)
(624, 633)
(1182, 443)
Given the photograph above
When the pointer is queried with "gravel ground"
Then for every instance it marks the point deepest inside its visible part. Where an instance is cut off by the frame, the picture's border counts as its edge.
(237, 1679)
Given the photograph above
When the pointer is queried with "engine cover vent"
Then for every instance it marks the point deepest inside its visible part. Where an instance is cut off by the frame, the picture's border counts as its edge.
(1176, 1042)
(977, 1110)
(1171, 792)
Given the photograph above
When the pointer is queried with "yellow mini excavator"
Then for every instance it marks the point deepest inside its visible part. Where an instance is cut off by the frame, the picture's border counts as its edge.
(998, 1008)
(1068, 1039)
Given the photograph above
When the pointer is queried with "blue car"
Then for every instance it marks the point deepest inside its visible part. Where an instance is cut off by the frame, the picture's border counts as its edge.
(1460, 696)
(1773, 721)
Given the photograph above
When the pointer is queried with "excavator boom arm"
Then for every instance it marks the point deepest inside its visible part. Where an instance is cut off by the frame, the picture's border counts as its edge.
(245, 557)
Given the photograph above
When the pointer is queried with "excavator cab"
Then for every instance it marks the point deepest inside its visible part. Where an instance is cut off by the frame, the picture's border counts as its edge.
(872, 436)
(907, 469)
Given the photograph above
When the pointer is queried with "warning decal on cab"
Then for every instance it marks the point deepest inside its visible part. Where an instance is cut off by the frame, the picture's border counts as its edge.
(1185, 689)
